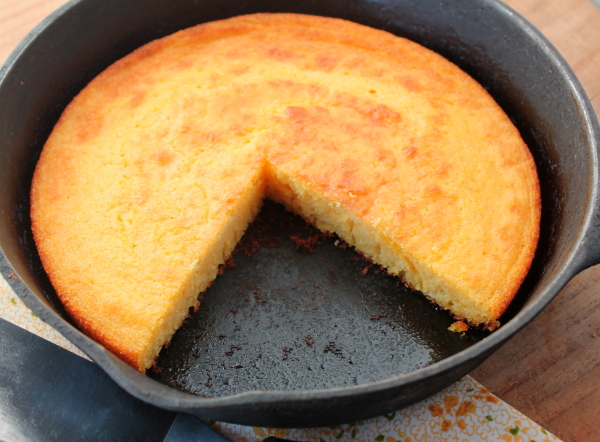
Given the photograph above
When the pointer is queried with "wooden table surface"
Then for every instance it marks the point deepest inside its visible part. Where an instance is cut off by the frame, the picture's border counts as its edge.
(551, 370)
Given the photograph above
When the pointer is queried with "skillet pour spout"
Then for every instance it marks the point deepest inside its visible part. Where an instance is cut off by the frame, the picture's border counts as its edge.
(492, 43)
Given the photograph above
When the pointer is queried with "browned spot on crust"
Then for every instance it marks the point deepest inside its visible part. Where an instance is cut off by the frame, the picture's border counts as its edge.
(353, 64)
(296, 113)
(410, 151)
(239, 130)
(234, 54)
(519, 209)
(405, 211)
(280, 54)
(325, 62)
(437, 80)
(381, 114)
(239, 70)
(183, 64)
(205, 138)
(208, 32)
(507, 233)
(288, 86)
(351, 178)
(443, 170)
(433, 191)
(164, 158)
(386, 157)
(137, 99)
(88, 126)
(410, 83)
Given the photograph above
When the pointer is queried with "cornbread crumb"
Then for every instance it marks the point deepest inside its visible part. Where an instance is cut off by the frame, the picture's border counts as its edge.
(458, 327)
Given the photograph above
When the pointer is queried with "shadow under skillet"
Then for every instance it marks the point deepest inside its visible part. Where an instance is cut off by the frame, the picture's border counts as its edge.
(296, 309)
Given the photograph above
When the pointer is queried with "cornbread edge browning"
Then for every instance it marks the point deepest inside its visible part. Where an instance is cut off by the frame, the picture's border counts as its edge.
(155, 169)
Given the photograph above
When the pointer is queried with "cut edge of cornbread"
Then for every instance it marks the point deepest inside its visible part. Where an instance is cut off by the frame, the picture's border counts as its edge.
(204, 273)
(373, 243)
(326, 215)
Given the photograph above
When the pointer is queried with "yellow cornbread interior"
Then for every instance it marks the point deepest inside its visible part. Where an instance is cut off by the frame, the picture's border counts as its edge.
(156, 168)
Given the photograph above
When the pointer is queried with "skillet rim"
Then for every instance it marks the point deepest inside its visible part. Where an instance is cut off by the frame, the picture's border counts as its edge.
(580, 257)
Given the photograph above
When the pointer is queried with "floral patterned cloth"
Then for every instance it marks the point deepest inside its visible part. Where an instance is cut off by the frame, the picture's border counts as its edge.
(13, 310)
(463, 412)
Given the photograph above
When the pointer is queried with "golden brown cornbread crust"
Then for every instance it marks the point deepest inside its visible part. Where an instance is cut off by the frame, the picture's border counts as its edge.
(154, 170)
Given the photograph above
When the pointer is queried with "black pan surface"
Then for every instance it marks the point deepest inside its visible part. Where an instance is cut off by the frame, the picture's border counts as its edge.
(299, 310)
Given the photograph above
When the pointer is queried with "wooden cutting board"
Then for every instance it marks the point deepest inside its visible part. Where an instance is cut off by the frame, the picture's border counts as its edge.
(550, 371)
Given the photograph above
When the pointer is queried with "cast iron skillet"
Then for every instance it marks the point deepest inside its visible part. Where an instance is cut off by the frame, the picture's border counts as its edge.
(522, 71)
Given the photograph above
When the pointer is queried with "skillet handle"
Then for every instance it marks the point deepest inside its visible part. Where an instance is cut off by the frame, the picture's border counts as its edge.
(590, 245)
(591, 241)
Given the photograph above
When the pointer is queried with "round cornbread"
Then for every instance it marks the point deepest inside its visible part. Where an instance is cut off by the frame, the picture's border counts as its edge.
(154, 171)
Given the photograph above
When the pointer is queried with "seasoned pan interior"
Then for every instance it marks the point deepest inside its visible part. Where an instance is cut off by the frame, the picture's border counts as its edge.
(299, 310)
